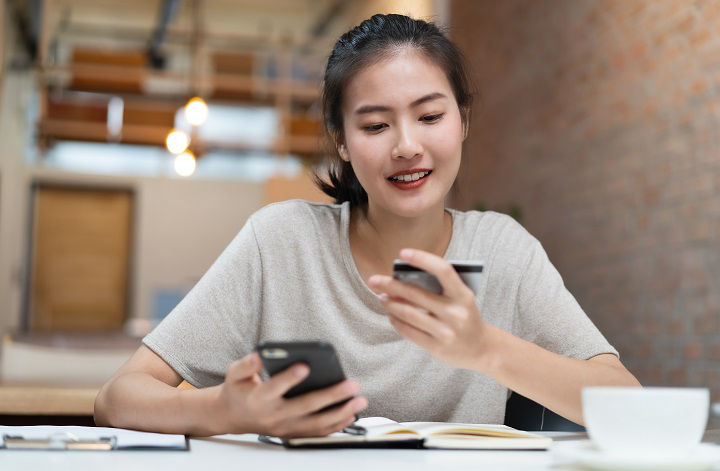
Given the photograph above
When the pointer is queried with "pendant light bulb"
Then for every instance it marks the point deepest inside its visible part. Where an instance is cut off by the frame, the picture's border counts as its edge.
(196, 111)
(177, 141)
(185, 164)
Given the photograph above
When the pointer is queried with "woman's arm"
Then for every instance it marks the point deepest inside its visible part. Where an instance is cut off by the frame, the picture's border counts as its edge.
(142, 395)
(451, 328)
(552, 380)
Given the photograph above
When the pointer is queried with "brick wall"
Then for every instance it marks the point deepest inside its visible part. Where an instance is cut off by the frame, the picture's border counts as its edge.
(600, 120)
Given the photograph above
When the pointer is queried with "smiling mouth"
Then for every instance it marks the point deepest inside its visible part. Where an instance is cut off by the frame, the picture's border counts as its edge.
(410, 177)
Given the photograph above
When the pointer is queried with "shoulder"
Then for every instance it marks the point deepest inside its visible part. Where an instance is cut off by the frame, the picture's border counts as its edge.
(490, 225)
(294, 217)
(497, 238)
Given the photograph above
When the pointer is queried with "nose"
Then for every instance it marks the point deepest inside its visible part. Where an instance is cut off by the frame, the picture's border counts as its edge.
(407, 145)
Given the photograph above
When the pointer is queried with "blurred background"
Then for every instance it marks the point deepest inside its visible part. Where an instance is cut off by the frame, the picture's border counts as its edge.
(137, 136)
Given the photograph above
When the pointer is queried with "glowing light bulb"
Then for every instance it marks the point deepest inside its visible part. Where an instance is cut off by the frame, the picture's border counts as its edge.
(196, 111)
(177, 141)
(185, 164)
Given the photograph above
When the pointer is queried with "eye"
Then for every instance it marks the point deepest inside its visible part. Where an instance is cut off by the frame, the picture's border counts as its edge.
(431, 118)
(374, 127)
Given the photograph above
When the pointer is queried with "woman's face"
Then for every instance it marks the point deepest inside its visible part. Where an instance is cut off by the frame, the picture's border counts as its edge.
(403, 134)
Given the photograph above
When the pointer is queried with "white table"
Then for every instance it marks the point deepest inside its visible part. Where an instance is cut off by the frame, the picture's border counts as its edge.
(243, 453)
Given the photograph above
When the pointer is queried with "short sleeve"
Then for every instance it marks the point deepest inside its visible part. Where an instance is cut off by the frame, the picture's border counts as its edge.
(217, 322)
(548, 315)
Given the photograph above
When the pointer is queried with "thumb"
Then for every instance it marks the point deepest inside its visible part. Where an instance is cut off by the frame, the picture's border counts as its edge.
(244, 368)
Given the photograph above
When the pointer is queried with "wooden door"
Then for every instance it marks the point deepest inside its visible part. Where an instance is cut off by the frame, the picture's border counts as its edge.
(80, 259)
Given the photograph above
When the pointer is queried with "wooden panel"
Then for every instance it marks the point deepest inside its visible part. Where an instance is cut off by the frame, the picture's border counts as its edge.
(80, 110)
(130, 58)
(150, 114)
(281, 188)
(123, 81)
(73, 130)
(80, 259)
(233, 63)
(108, 70)
(302, 125)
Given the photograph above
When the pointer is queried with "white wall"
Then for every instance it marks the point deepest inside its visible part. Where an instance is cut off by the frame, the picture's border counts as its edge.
(182, 226)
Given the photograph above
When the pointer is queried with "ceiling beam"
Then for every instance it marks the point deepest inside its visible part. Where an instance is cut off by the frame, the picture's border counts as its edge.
(168, 9)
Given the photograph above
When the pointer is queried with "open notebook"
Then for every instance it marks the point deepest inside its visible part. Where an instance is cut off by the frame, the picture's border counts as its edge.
(383, 432)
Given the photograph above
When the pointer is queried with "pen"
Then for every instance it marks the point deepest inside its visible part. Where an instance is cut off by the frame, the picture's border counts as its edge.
(353, 429)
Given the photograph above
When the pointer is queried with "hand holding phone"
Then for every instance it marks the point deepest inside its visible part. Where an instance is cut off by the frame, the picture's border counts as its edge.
(320, 357)
(245, 404)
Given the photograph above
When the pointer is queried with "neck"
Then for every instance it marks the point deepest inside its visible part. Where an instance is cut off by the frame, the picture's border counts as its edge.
(376, 237)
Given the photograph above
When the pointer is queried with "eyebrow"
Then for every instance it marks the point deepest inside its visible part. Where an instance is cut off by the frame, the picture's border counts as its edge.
(381, 108)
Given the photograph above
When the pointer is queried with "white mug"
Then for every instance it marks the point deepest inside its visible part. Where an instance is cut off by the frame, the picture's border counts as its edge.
(645, 422)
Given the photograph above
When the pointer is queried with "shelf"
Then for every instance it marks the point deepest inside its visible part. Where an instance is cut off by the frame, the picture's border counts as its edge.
(41, 400)
(126, 81)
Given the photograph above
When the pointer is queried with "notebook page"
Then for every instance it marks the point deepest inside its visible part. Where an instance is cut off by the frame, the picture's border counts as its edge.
(497, 430)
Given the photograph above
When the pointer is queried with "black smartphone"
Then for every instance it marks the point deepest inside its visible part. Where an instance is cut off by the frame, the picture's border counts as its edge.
(325, 369)
(469, 271)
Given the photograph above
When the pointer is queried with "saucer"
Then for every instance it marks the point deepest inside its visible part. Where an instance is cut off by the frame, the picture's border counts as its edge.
(587, 455)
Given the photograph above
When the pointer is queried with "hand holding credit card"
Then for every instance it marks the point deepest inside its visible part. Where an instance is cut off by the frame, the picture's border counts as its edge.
(468, 270)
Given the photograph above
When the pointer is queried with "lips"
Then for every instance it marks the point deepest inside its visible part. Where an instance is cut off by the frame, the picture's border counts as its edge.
(410, 179)
(410, 175)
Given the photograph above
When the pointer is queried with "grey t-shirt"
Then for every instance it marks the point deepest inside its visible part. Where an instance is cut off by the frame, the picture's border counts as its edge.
(289, 274)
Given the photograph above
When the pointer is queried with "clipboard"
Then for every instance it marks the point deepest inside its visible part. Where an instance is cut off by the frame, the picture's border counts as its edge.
(59, 441)
(76, 438)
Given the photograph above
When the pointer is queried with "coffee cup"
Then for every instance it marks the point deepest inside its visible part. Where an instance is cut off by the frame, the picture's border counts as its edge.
(645, 422)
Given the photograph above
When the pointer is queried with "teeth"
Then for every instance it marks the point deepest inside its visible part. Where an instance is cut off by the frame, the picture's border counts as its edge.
(409, 177)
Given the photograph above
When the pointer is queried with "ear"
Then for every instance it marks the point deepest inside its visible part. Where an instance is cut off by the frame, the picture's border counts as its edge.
(466, 124)
(342, 150)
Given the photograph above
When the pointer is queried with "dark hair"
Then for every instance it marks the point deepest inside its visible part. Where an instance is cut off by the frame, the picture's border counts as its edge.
(371, 41)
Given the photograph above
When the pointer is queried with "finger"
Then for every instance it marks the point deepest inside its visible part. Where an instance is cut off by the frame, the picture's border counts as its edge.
(331, 421)
(421, 297)
(282, 382)
(450, 281)
(244, 368)
(416, 336)
(417, 317)
(316, 400)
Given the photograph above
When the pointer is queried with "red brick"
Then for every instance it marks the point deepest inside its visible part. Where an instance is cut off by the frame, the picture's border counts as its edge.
(700, 86)
(693, 351)
(707, 324)
(712, 352)
(678, 376)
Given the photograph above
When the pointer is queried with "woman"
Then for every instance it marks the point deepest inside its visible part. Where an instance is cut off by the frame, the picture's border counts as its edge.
(397, 104)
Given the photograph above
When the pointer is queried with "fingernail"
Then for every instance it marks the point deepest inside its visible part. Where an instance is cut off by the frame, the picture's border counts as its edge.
(383, 298)
(359, 404)
(301, 371)
(406, 254)
(350, 387)
(375, 279)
